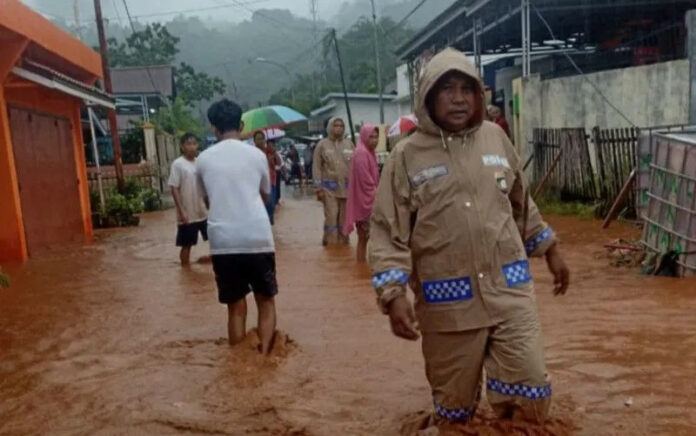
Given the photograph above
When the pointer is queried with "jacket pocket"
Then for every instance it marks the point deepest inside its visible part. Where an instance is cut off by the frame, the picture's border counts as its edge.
(444, 279)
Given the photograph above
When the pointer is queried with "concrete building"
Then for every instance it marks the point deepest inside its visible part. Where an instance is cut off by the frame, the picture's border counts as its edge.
(140, 92)
(364, 108)
(593, 36)
(45, 77)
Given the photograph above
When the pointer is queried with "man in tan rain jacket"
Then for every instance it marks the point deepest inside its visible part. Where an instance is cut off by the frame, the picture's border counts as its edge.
(452, 219)
(330, 170)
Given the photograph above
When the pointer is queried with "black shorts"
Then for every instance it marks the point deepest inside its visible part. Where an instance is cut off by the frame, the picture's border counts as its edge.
(237, 275)
(187, 234)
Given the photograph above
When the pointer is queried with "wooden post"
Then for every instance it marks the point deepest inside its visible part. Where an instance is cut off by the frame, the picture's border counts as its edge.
(104, 50)
(620, 199)
(548, 174)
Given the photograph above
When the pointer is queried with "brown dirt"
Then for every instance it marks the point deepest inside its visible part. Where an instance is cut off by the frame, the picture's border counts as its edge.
(116, 338)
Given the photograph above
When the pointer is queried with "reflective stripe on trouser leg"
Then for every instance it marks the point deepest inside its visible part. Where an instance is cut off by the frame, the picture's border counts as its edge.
(453, 364)
(331, 214)
(516, 378)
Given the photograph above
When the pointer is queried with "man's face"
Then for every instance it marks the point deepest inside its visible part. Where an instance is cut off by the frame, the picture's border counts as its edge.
(453, 101)
(190, 148)
(260, 141)
(338, 129)
(373, 139)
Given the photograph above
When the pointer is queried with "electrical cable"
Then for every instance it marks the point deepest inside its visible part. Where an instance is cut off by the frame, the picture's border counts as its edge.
(582, 73)
(147, 68)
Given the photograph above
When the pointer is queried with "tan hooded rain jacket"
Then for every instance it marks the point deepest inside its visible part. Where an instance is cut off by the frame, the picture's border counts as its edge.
(449, 218)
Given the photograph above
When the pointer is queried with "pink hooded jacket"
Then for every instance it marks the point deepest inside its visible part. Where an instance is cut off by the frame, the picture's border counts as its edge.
(364, 179)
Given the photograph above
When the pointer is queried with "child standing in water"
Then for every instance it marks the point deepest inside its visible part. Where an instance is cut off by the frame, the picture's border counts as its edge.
(189, 199)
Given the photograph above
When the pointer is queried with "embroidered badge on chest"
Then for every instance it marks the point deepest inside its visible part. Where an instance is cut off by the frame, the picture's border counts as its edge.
(501, 181)
(493, 160)
(427, 174)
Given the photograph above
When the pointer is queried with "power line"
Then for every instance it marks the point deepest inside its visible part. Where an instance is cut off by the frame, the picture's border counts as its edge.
(403, 20)
(147, 68)
(202, 9)
(582, 73)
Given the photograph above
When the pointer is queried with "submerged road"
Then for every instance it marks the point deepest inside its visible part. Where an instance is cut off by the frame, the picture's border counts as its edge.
(116, 338)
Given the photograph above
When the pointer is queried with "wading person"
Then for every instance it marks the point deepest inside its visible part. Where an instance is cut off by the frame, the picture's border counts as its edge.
(364, 178)
(453, 220)
(189, 200)
(496, 115)
(261, 144)
(237, 181)
(331, 162)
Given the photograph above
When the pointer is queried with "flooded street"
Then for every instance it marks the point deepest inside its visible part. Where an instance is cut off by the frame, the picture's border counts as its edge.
(116, 338)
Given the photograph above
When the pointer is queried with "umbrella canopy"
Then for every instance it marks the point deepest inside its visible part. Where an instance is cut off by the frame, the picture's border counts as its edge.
(269, 117)
(403, 125)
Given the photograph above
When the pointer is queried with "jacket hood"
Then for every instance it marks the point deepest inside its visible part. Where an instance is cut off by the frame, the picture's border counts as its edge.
(329, 126)
(441, 64)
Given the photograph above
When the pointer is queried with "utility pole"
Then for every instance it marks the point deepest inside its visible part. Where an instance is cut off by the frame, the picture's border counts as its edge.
(377, 64)
(118, 165)
(78, 27)
(314, 11)
(343, 83)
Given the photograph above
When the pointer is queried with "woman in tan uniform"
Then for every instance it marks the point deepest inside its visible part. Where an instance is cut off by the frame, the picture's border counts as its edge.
(453, 220)
(331, 165)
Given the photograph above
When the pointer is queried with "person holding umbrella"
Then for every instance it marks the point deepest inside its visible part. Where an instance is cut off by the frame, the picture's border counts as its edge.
(331, 162)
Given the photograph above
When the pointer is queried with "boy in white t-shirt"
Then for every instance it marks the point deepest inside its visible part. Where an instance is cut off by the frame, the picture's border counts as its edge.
(189, 199)
(236, 180)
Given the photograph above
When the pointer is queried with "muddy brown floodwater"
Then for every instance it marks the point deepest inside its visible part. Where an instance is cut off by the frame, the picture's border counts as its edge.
(115, 338)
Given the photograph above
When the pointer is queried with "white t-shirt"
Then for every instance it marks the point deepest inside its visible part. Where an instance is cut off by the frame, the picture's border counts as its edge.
(183, 176)
(233, 174)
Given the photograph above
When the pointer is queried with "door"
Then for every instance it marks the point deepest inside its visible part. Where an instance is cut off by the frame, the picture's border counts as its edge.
(47, 178)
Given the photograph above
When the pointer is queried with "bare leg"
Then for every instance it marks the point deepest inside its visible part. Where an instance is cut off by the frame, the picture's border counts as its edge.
(236, 321)
(362, 245)
(267, 321)
(185, 256)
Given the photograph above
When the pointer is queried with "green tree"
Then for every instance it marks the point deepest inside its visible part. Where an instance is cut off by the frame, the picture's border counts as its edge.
(193, 86)
(154, 45)
(357, 53)
(177, 120)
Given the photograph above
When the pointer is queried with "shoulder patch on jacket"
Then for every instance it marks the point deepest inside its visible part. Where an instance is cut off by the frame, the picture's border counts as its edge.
(427, 174)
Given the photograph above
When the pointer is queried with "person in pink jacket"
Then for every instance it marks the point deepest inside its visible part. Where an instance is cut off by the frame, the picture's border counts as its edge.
(364, 178)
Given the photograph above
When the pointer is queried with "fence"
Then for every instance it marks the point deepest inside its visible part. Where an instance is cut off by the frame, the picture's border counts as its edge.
(146, 174)
(616, 158)
(572, 175)
(167, 152)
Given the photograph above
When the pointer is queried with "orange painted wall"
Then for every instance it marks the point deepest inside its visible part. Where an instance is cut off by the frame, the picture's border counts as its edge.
(43, 100)
(22, 20)
(12, 242)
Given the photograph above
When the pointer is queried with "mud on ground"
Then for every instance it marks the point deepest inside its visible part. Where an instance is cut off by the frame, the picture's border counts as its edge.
(115, 338)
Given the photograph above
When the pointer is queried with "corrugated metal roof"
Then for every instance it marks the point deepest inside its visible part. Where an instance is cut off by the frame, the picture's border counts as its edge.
(136, 80)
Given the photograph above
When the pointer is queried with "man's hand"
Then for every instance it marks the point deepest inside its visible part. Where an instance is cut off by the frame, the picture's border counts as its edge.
(403, 319)
(181, 216)
(320, 195)
(559, 269)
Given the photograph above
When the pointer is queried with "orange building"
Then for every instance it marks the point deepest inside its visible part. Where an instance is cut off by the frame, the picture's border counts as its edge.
(46, 76)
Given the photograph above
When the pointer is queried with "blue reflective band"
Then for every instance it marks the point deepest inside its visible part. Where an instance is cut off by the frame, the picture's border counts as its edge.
(443, 291)
(389, 276)
(519, 390)
(331, 186)
(532, 244)
(517, 273)
(455, 415)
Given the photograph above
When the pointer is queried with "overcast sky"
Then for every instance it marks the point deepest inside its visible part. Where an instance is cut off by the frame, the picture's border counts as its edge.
(160, 10)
